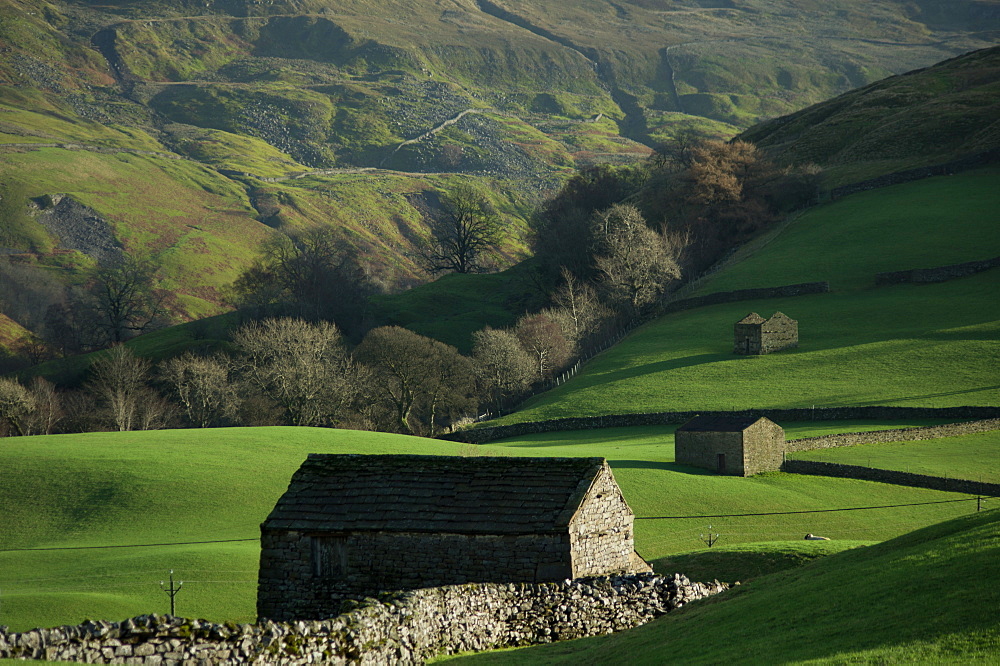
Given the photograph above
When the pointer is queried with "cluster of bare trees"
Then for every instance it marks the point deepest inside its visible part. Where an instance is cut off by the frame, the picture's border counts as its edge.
(279, 371)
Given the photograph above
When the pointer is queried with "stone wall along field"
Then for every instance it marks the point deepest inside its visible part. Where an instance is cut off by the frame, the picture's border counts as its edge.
(939, 274)
(399, 628)
(890, 476)
(869, 413)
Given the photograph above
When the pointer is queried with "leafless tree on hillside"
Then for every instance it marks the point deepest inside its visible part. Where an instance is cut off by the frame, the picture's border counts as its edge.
(465, 233)
(16, 406)
(634, 262)
(204, 387)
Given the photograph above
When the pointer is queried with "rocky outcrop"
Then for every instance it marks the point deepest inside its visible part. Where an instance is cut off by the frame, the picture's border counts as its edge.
(399, 628)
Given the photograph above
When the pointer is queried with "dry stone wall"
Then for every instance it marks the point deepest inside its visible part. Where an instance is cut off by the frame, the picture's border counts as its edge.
(890, 476)
(400, 628)
(871, 413)
(938, 274)
(971, 162)
(747, 295)
(893, 435)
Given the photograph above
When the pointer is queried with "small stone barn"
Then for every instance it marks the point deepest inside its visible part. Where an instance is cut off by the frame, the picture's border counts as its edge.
(353, 525)
(738, 446)
(754, 335)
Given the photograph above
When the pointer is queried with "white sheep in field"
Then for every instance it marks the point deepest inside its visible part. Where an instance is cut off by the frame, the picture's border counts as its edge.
(813, 537)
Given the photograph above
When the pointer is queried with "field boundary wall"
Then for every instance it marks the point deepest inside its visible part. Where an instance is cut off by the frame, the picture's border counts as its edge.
(947, 484)
(977, 160)
(801, 289)
(938, 274)
(398, 628)
(870, 413)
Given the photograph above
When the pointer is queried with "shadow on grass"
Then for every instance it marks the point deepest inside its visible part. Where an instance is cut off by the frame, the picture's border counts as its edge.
(663, 366)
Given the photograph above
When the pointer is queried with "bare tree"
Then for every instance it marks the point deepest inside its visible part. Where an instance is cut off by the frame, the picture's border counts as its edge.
(578, 304)
(118, 380)
(126, 301)
(303, 367)
(16, 406)
(313, 275)
(543, 338)
(504, 368)
(419, 379)
(634, 262)
(204, 387)
(48, 407)
(465, 232)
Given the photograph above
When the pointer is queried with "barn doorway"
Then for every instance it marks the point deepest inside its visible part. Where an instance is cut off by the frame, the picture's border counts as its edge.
(722, 463)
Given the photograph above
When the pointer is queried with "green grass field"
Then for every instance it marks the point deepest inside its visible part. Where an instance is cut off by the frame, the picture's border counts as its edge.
(972, 457)
(908, 600)
(173, 487)
(910, 345)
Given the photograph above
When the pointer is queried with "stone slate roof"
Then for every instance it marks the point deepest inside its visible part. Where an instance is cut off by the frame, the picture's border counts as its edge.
(752, 318)
(463, 495)
(711, 423)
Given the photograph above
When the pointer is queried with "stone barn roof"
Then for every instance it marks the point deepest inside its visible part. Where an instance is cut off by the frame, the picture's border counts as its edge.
(711, 423)
(752, 318)
(409, 493)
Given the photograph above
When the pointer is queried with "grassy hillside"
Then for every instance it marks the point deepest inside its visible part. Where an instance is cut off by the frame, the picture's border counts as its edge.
(170, 487)
(909, 345)
(923, 117)
(903, 601)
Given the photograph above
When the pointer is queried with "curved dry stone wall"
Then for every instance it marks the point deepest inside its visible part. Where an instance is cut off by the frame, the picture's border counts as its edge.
(893, 435)
(944, 483)
(971, 162)
(785, 291)
(398, 628)
(872, 413)
(939, 274)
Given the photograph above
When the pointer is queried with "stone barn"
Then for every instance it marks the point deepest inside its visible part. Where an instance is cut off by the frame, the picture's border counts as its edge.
(754, 335)
(352, 525)
(738, 446)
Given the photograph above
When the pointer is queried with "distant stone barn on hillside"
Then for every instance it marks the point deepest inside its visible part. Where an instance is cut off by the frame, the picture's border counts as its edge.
(754, 335)
(352, 525)
(739, 446)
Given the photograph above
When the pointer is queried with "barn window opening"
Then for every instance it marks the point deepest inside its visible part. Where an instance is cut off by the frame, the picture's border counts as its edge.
(329, 556)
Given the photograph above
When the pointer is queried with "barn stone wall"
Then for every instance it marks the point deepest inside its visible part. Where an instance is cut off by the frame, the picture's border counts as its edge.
(601, 532)
(777, 333)
(702, 449)
(747, 339)
(401, 628)
(763, 448)
(366, 563)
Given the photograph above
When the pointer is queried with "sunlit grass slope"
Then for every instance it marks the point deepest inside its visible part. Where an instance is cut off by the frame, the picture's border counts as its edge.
(925, 597)
(910, 345)
(171, 487)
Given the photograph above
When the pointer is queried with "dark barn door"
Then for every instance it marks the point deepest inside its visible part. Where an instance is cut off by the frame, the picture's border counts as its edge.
(722, 463)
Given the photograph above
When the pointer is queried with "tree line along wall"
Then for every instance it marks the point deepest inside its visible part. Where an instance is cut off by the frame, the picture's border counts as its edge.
(869, 413)
(398, 628)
